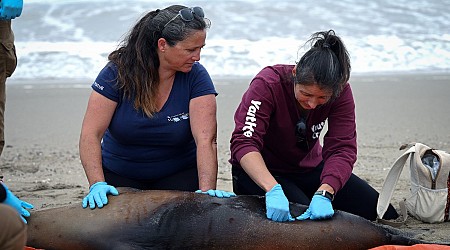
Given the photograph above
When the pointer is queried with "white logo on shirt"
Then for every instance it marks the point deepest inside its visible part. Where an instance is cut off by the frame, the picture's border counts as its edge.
(178, 117)
(98, 86)
(316, 129)
(250, 119)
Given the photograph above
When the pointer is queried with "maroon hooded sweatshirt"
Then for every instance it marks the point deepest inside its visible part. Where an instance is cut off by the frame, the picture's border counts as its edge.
(265, 122)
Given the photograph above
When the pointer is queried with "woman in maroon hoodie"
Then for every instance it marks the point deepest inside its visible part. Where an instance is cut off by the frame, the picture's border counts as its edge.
(275, 148)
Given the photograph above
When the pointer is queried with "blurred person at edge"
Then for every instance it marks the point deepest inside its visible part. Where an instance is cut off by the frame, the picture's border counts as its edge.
(275, 148)
(151, 121)
(12, 210)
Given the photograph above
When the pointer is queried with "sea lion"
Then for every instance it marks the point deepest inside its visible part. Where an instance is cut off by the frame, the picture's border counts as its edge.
(154, 219)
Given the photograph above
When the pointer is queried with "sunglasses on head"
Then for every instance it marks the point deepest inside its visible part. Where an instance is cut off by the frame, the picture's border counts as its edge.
(300, 133)
(187, 14)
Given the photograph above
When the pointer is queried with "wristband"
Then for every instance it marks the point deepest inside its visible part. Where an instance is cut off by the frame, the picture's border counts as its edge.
(325, 193)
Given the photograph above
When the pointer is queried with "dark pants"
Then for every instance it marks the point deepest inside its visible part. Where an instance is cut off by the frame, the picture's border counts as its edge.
(356, 197)
(185, 180)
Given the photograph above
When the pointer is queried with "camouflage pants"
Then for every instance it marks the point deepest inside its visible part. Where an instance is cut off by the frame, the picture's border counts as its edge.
(8, 63)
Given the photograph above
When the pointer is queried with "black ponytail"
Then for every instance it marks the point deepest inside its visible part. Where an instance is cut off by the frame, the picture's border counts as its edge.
(326, 63)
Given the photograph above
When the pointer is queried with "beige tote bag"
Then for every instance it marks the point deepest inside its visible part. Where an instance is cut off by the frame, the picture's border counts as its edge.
(429, 198)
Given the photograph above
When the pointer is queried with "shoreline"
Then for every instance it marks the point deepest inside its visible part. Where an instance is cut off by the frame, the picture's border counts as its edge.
(437, 74)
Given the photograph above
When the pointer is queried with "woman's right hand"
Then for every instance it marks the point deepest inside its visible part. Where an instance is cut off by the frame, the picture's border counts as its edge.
(277, 205)
(98, 195)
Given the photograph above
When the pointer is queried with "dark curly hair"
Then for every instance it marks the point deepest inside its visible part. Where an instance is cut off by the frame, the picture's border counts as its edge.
(137, 58)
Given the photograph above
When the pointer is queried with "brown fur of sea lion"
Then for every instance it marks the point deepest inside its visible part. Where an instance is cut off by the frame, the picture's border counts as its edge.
(184, 220)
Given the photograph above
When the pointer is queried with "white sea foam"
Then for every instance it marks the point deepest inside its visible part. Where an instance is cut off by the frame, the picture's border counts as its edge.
(71, 39)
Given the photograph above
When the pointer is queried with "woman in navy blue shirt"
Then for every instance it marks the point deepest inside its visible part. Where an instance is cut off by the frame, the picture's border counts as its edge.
(151, 118)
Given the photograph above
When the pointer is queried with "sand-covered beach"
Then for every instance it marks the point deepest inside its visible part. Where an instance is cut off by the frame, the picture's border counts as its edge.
(41, 163)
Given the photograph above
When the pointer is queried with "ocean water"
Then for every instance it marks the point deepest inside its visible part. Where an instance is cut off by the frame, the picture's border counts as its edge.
(64, 39)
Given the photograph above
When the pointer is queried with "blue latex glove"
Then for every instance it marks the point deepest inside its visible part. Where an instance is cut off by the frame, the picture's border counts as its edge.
(19, 205)
(97, 195)
(277, 205)
(320, 208)
(217, 193)
(10, 9)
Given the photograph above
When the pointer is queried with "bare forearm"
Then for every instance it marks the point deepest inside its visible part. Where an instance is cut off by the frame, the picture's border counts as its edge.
(91, 159)
(207, 165)
(326, 187)
(98, 116)
(254, 166)
(204, 129)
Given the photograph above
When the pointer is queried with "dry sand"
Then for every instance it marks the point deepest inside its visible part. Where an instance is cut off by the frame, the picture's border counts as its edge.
(41, 161)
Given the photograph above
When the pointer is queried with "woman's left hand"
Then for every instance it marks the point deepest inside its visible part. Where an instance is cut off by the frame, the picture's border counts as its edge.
(320, 208)
(217, 193)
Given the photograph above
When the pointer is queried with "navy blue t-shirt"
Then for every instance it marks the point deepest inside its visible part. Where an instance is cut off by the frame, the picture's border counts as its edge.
(136, 146)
